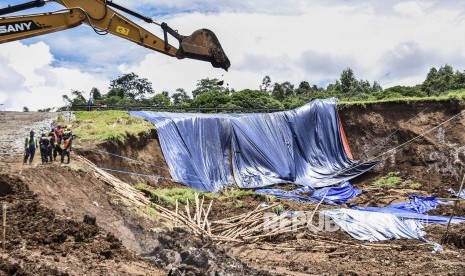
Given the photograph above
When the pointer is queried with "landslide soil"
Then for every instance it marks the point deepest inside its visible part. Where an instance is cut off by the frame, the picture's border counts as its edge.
(436, 162)
(63, 220)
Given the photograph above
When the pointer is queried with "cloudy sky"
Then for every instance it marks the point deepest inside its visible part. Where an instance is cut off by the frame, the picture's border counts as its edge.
(393, 42)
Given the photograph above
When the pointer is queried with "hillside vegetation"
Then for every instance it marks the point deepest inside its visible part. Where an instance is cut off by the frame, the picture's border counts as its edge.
(114, 126)
(131, 90)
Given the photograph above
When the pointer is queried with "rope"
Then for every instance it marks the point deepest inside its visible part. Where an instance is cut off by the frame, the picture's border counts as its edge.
(387, 153)
(152, 165)
(401, 146)
(392, 134)
(138, 174)
(130, 159)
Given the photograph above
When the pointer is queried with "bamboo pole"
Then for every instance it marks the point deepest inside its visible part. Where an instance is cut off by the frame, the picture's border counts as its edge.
(206, 214)
(201, 211)
(177, 212)
(444, 237)
(4, 226)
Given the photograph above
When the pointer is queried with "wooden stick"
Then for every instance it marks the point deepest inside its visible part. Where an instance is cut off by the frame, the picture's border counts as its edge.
(188, 211)
(239, 217)
(201, 212)
(4, 226)
(444, 237)
(316, 208)
(177, 211)
(206, 214)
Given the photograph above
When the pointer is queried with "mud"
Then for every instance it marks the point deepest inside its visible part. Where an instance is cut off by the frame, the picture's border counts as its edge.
(183, 253)
(144, 149)
(40, 242)
(436, 161)
(112, 232)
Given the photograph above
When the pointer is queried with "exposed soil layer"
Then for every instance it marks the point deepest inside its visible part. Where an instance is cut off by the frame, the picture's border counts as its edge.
(39, 242)
(434, 164)
(436, 161)
(145, 152)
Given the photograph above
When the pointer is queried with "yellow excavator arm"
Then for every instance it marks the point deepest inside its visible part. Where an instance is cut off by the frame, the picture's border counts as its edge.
(102, 16)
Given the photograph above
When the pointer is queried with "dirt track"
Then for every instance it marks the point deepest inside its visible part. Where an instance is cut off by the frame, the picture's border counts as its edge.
(436, 162)
(15, 127)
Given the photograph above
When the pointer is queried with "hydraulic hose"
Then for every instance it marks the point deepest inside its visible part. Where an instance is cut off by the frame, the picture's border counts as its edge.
(22, 7)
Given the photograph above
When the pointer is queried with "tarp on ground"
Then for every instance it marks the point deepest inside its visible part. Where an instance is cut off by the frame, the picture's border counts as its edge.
(305, 146)
(370, 226)
(456, 194)
(331, 195)
(414, 209)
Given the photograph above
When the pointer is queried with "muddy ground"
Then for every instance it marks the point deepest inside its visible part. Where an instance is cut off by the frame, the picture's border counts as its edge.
(72, 192)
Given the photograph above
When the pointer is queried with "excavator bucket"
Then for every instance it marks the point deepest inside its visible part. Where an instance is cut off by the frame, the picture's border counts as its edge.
(204, 45)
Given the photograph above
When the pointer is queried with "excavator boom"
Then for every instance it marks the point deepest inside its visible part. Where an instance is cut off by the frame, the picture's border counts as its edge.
(104, 19)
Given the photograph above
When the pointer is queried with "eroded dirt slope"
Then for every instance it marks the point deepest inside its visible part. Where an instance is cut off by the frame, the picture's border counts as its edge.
(42, 242)
(437, 161)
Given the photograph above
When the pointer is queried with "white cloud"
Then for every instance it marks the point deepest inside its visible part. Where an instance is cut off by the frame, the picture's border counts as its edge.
(317, 45)
(27, 78)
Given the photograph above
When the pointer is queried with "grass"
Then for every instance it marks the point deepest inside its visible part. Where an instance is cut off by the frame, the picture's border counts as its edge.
(391, 180)
(452, 95)
(113, 126)
(168, 197)
(414, 185)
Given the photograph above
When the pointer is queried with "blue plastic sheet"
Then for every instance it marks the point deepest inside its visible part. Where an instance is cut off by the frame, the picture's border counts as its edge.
(369, 226)
(419, 204)
(415, 209)
(456, 194)
(332, 195)
(302, 146)
(196, 148)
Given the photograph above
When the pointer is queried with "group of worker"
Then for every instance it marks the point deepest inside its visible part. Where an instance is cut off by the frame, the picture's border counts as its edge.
(57, 142)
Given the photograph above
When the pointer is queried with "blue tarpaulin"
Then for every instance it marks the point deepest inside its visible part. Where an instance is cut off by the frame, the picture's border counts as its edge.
(370, 226)
(456, 194)
(332, 195)
(303, 146)
(415, 209)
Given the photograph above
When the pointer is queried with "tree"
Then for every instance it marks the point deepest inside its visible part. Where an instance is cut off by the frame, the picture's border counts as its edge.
(116, 92)
(78, 97)
(25, 109)
(208, 85)
(211, 99)
(180, 97)
(442, 80)
(134, 88)
(303, 89)
(376, 87)
(254, 99)
(266, 84)
(281, 91)
(348, 80)
(161, 99)
(96, 95)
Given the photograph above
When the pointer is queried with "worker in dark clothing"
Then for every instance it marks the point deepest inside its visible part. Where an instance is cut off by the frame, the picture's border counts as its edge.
(30, 148)
(67, 143)
(44, 144)
(51, 146)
